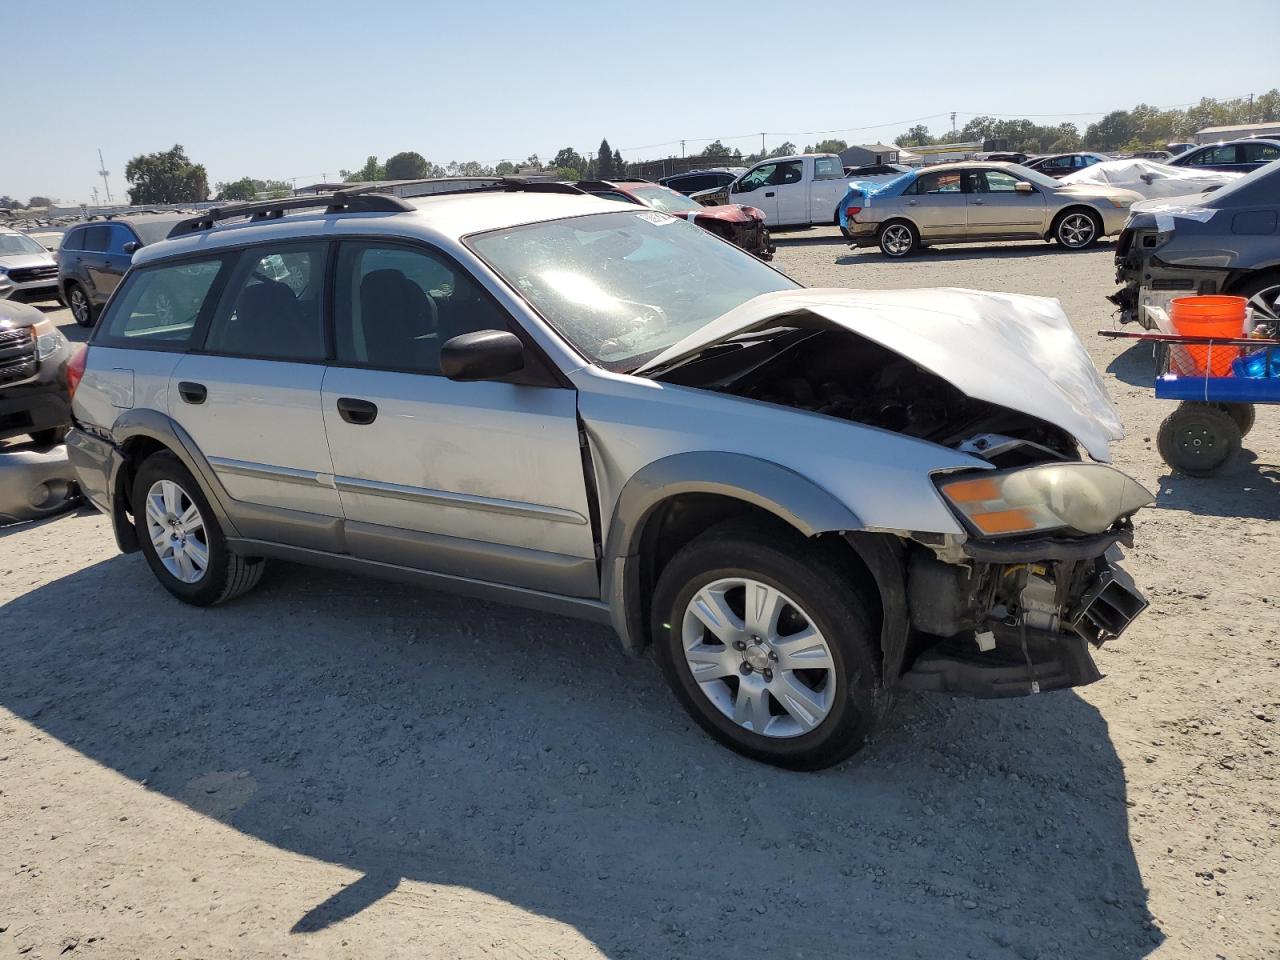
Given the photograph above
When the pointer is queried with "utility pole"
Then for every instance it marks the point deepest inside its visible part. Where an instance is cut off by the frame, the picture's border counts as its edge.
(763, 151)
(102, 172)
(1251, 108)
(681, 149)
(953, 125)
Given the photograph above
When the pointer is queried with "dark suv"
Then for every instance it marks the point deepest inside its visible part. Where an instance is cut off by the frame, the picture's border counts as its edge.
(1227, 241)
(94, 256)
(1240, 156)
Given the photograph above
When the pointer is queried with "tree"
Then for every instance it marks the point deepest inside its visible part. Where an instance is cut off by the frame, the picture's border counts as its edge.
(372, 170)
(619, 168)
(713, 149)
(827, 146)
(505, 168)
(8, 203)
(571, 158)
(166, 177)
(242, 189)
(1112, 131)
(407, 166)
(783, 150)
(40, 202)
(917, 136)
(568, 173)
(604, 161)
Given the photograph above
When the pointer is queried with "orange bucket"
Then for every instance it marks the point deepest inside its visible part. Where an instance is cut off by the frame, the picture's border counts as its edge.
(1221, 317)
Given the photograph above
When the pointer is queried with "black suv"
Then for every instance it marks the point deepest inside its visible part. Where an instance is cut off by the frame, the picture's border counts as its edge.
(94, 256)
(1239, 156)
(1227, 241)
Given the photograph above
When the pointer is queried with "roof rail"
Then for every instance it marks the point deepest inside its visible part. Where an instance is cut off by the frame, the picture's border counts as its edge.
(344, 201)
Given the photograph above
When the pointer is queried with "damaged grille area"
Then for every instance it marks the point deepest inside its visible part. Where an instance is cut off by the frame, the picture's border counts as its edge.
(17, 355)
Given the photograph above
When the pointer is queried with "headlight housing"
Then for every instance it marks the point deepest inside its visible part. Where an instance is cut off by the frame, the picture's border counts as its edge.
(1123, 203)
(1083, 498)
(48, 339)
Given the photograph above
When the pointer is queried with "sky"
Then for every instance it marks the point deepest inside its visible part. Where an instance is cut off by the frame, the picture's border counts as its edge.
(296, 90)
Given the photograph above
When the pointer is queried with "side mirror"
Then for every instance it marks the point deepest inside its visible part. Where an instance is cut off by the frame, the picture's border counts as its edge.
(1023, 187)
(482, 355)
(132, 247)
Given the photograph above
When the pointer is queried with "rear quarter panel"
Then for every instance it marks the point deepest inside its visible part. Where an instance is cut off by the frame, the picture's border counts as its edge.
(116, 380)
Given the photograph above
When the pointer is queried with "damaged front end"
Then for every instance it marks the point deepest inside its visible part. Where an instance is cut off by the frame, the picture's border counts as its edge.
(1010, 605)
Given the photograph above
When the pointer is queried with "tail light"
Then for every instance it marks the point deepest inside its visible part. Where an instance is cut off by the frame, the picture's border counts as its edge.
(75, 370)
(851, 212)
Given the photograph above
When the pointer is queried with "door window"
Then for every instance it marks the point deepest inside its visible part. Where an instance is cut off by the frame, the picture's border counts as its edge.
(757, 178)
(994, 181)
(828, 168)
(272, 307)
(945, 181)
(96, 238)
(1214, 156)
(117, 236)
(74, 240)
(792, 172)
(1259, 152)
(159, 306)
(395, 306)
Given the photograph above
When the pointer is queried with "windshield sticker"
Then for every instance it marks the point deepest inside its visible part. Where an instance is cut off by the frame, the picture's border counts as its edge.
(657, 219)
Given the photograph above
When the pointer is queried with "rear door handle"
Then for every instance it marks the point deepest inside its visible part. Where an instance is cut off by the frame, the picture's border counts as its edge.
(360, 412)
(192, 392)
(770, 194)
(977, 203)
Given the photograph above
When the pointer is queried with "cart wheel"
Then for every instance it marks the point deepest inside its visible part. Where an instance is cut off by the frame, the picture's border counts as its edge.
(1198, 439)
(1242, 413)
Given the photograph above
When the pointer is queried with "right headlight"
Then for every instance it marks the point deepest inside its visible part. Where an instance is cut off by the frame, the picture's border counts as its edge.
(1081, 497)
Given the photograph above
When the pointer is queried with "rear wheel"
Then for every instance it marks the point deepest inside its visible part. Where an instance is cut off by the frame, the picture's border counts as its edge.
(181, 539)
(1263, 294)
(1077, 229)
(768, 645)
(898, 238)
(1198, 439)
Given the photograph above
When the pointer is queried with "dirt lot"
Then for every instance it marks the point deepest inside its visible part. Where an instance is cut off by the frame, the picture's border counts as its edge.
(338, 767)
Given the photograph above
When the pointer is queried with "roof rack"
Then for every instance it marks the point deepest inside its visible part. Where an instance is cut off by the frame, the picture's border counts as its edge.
(369, 199)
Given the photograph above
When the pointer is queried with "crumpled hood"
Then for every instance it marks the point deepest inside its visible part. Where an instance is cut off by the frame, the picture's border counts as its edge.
(1012, 350)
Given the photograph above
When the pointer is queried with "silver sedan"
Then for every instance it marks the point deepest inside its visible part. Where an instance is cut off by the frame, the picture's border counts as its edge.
(960, 203)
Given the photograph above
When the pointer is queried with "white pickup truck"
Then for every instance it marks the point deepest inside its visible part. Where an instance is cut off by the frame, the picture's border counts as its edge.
(795, 191)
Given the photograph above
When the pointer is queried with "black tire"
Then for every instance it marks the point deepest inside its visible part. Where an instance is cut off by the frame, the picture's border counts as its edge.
(1263, 293)
(227, 575)
(1198, 439)
(49, 437)
(1242, 413)
(1066, 229)
(829, 595)
(887, 238)
(81, 306)
(844, 231)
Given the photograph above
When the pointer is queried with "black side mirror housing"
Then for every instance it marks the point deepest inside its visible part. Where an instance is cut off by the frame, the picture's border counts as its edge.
(132, 247)
(481, 355)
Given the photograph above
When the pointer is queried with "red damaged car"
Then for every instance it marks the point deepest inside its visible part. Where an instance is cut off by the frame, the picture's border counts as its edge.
(734, 222)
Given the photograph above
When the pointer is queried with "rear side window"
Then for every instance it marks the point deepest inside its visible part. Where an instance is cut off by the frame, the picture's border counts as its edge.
(96, 238)
(272, 307)
(157, 307)
(1259, 152)
(828, 168)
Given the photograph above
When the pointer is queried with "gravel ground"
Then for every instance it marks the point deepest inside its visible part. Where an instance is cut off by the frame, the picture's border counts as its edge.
(340, 767)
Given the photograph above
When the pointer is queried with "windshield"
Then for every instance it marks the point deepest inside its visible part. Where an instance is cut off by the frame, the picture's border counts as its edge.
(622, 287)
(1036, 177)
(667, 200)
(12, 244)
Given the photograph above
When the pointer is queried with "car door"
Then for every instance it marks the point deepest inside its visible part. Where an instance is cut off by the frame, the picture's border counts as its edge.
(826, 190)
(482, 480)
(936, 203)
(758, 188)
(793, 193)
(116, 259)
(249, 395)
(995, 207)
(93, 263)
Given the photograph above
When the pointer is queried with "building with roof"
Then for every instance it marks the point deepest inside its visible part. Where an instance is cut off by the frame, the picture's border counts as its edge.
(1237, 131)
(868, 154)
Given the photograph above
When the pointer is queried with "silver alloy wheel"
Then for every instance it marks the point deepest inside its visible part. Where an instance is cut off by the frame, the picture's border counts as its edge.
(896, 239)
(79, 306)
(1266, 303)
(177, 531)
(1077, 230)
(767, 668)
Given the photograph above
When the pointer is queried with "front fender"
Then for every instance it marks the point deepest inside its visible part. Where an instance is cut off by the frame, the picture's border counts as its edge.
(791, 497)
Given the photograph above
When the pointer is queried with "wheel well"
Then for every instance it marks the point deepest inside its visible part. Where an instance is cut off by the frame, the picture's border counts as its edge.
(902, 220)
(136, 450)
(680, 519)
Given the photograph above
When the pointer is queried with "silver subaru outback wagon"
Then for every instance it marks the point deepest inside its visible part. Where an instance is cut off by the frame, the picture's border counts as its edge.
(803, 500)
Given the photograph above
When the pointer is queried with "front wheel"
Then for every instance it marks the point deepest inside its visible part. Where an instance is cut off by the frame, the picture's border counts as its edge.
(1077, 230)
(766, 641)
(81, 306)
(181, 539)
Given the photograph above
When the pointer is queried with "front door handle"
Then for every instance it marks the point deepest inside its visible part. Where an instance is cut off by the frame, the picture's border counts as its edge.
(770, 194)
(192, 392)
(360, 412)
(977, 203)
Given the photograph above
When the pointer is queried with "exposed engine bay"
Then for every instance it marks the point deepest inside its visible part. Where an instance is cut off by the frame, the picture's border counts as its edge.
(839, 374)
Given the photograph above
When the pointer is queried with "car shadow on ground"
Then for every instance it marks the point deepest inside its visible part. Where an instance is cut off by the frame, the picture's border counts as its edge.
(1245, 489)
(1003, 251)
(1136, 366)
(409, 734)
